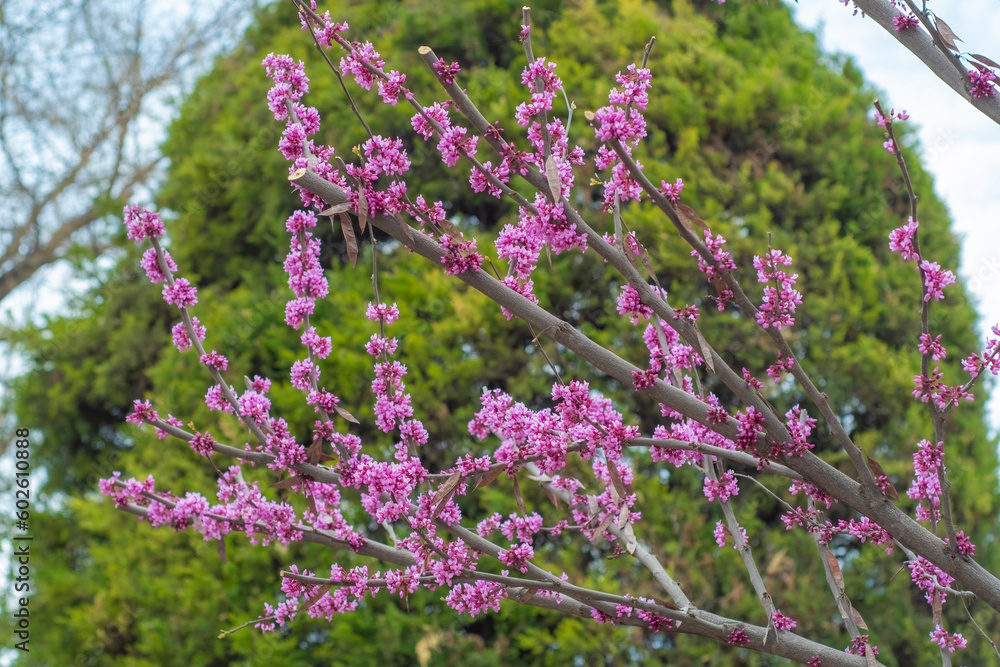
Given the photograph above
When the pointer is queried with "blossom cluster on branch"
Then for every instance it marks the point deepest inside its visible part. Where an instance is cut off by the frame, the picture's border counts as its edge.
(478, 568)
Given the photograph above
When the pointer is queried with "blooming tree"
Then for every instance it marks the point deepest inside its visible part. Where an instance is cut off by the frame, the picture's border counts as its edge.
(582, 449)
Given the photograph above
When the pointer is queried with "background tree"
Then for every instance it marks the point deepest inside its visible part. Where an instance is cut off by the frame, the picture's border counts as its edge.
(768, 140)
(83, 86)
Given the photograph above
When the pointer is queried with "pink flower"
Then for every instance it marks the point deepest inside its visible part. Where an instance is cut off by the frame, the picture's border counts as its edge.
(359, 62)
(629, 303)
(202, 443)
(901, 240)
(782, 622)
(721, 489)
(935, 280)
(151, 265)
(738, 638)
(388, 314)
(982, 83)
(931, 346)
(142, 411)
(180, 336)
(901, 22)
(446, 71)
(858, 645)
(720, 534)
(392, 87)
(946, 641)
(321, 346)
(142, 224)
(214, 360)
(460, 255)
(181, 294)
(672, 192)
(297, 310)
(780, 298)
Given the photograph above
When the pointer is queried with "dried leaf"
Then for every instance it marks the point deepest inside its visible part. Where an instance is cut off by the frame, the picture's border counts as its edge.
(664, 603)
(490, 476)
(447, 488)
(552, 176)
(870, 656)
(706, 351)
(984, 60)
(345, 414)
(690, 218)
(314, 451)
(856, 615)
(220, 546)
(552, 496)
(616, 480)
(362, 210)
(876, 469)
(349, 238)
(630, 541)
(623, 517)
(291, 481)
(518, 498)
(450, 229)
(838, 576)
(947, 35)
(323, 590)
(406, 227)
(337, 209)
(527, 596)
(604, 525)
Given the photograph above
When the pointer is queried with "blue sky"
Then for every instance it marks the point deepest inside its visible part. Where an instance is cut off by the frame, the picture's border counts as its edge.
(960, 146)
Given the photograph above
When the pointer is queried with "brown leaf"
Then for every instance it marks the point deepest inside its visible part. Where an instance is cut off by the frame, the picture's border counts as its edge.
(518, 498)
(630, 541)
(291, 481)
(405, 226)
(706, 351)
(876, 468)
(664, 603)
(858, 620)
(552, 495)
(870, 656)
(947, 35)
(490, 476)
(314, 451)
(337, 210)
(220, 545)
(362, 210)
(604, 525)
(349, 238)
(838, 576)
(616, 480)
(447, 488)
(690, 218)
(623, 514)
(323, 590)
(984, 60)
(552, 176)
(527, 596)
(345, 414)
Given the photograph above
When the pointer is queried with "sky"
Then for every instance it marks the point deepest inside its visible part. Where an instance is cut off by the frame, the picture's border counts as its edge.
(960, 146)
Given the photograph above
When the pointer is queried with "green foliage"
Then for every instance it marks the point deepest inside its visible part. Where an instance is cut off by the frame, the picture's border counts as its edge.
(771, 145)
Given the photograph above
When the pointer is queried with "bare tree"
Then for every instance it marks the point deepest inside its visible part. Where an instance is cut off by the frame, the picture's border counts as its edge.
(85, 87)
